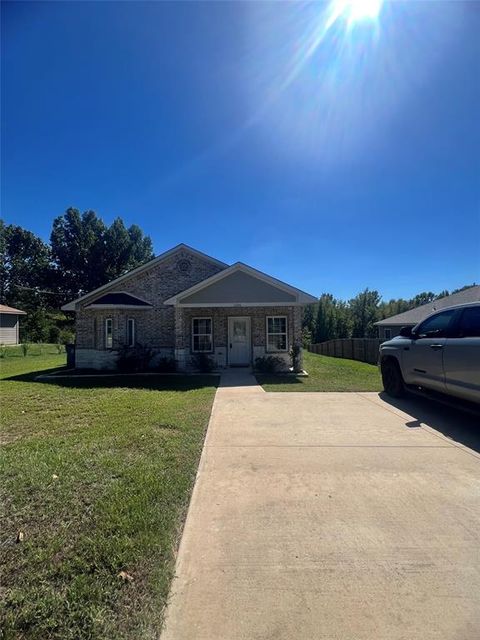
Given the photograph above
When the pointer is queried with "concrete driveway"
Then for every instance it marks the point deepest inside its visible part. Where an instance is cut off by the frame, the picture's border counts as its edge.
(330, 515)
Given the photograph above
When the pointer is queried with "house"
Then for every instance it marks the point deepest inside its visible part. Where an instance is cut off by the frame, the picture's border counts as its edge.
(390, 327)
(9, 324)
(183, 303)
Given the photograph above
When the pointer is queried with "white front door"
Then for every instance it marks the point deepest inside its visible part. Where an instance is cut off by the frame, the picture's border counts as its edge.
(239, 341)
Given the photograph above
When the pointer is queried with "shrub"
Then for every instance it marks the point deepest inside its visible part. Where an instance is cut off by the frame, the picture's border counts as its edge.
(66, 336)
(3, 351)
(294, 353)
(54, 334)
(134, 359)
(306, 338)
(268, 364)
(166, 365)
(203, 363)
(25, 348)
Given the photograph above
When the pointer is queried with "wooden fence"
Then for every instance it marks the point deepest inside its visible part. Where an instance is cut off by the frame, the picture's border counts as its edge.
(364, 349)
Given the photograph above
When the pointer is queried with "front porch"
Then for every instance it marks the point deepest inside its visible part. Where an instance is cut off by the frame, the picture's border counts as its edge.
(235, 335)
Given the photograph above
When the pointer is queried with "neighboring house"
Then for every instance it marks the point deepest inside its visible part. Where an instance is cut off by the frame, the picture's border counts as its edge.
(390, 327)
(184, 303)
(9, 324)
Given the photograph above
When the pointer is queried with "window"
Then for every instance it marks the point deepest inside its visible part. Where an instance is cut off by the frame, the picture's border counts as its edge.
(387, 334)
(108, 333)
(470, 322)
(276, 333)
(202, 335)
(131, 332)
(436, 326)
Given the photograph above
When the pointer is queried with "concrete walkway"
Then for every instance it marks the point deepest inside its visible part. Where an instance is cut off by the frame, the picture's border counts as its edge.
(330, 516)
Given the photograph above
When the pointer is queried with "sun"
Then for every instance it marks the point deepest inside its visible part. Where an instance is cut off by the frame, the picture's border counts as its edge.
(354, 11)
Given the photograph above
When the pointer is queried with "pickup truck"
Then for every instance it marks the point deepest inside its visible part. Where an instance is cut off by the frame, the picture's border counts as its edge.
(440, 354)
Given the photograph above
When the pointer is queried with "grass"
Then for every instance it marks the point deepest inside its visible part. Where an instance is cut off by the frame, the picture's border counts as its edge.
(327, 374)
(96, 473)
(34, 349)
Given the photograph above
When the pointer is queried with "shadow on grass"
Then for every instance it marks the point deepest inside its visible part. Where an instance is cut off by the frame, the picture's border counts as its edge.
(265, 378)
(154, 382)
(457, 421)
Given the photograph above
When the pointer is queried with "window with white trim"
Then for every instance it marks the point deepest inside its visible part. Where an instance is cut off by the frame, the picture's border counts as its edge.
(202, 335)
(387, 334)
(276, 333)
(131, 332)
(108, 333)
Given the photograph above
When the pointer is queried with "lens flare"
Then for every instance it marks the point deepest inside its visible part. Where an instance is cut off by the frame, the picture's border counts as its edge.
(353, 11)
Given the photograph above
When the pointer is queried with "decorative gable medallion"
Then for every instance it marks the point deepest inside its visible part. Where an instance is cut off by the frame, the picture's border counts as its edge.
(184, 265)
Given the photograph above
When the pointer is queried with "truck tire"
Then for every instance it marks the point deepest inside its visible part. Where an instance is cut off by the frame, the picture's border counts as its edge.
(392, 378)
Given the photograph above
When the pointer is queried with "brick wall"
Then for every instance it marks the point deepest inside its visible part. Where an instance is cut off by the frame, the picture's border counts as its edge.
(154, 327)
(166, 329)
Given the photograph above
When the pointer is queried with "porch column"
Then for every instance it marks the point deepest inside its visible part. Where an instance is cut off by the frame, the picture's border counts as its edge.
(181, 338)
(297, 331)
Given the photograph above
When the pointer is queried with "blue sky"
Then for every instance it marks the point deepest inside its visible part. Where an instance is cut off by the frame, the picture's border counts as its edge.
(334, 159)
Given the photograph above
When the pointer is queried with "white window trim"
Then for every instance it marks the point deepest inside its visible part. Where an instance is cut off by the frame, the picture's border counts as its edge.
(389, 337)
(134, 331)
(276, 334)
(107, 321)
(202, 334)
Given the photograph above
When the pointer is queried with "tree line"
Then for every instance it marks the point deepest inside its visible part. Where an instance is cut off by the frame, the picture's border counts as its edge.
(83, 253)
(332, 318)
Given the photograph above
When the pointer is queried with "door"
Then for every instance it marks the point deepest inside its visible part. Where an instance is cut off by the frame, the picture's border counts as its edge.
(423, 359)
(239, 344)
(461, 359)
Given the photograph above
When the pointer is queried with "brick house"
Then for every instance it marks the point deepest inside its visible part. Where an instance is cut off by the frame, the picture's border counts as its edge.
(184, 302)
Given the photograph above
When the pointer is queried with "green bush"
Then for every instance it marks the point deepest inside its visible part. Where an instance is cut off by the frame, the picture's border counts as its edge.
(203, 363)
(268, 364)
(25, 348)
(134, 359)
(166, 365)
(66, 336)
(54, 334)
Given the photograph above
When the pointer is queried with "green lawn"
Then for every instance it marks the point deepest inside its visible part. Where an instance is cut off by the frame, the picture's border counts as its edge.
(35, 349)
(96, 473)
(327, 374)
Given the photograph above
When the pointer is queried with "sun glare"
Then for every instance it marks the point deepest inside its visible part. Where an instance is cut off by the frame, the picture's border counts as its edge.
(354, 11)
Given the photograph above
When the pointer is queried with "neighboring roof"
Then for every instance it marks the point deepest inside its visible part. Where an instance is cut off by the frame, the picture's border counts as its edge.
(119, 299)
(70, 306)
(414, 316)
(237, 285)
(5, 309)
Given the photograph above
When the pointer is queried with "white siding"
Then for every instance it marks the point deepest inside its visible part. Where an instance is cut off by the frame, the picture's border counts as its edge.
(8, 328)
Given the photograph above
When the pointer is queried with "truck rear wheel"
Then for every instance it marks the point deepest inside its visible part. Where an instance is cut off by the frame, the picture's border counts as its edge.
(392, 378)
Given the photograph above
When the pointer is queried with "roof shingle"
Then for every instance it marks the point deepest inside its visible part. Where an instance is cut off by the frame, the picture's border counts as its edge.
(414, 316)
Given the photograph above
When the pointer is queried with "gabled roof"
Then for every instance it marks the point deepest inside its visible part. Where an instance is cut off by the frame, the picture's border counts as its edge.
(6, 309)
(70, 306)
(119, 299)
(414, 316)
(238, 292)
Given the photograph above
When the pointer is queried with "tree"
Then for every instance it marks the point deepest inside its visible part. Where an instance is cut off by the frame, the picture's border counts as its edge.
(77, 242)
(25, 266)
(422, 298)
(365, 312)
(308, 323)
(124, 249)
(25, 272)
(87, 253)
(343, 319)
(325, 323)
